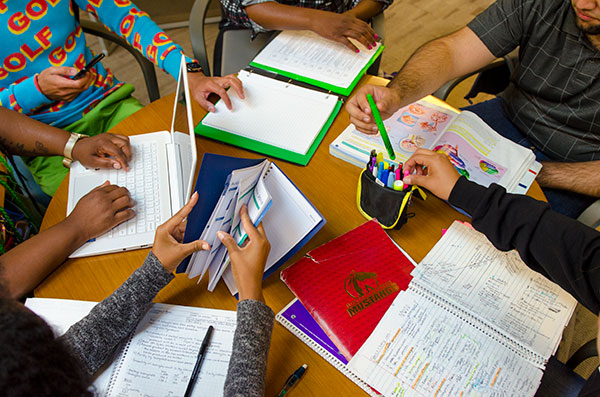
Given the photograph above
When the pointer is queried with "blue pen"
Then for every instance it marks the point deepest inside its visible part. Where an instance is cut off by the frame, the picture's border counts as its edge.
(380, 170)
(384, 176)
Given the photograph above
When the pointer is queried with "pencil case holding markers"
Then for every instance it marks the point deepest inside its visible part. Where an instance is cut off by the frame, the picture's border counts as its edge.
(386, 205)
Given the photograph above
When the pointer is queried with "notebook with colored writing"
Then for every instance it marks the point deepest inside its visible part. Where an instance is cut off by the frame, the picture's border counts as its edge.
(348, 283)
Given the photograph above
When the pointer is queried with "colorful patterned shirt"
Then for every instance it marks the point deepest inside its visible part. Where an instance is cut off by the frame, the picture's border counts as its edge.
(234, 11)
(38, 34)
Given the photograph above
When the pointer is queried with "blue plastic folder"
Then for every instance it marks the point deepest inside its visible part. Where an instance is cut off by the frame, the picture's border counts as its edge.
(212, 176)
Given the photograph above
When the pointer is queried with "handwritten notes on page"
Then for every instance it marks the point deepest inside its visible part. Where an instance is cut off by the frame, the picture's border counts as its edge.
(305, 53)
(159, 359)
(466, 269)
(420, 349)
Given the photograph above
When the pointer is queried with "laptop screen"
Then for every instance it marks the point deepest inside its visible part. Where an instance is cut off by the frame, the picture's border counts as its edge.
(185, 137)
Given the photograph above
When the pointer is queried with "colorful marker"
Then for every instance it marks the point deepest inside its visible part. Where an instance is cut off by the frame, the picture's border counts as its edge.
(390, 180)
(398, 185)
(380, 126)
(384, 176)
(380, 170)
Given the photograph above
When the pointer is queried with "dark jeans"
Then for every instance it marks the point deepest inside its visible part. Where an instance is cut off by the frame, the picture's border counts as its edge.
(563, 201)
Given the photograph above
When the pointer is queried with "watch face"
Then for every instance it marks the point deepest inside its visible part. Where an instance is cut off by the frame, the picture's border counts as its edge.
(193, 67)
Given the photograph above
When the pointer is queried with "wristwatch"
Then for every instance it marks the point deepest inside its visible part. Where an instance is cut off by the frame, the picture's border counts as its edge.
(194, 67)
(68, 150)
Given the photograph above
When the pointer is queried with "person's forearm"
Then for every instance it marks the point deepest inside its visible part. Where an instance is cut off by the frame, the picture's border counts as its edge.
(438, 62)
(275, 16)
(581, 178)
(562, 249)
(366, 9)
(26, 265)
(248, 362)
(23, 136)
(93, 339)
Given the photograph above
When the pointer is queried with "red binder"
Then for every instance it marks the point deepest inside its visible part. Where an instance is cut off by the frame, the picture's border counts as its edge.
(348, 283)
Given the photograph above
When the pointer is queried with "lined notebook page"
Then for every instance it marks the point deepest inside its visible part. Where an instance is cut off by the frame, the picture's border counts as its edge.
(307, 54)
(160, 357)
(274, 112)
(497, 287)
(418, 348)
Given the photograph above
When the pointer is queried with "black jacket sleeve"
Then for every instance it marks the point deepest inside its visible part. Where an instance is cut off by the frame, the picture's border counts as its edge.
(561, 248)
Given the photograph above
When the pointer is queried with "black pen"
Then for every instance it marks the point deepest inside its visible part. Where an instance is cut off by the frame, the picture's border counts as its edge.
(292, 379)
(87, 67)
(196, 371)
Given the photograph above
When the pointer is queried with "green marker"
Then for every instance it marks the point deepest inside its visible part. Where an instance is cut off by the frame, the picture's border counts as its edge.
(382, 131)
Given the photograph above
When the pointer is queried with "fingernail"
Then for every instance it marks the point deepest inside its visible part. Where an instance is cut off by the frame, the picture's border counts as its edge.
(357, 50)
(366, 119)
(376, 37)
(374, 128)
(220, 235)
(369, 47)
(205, 246)
(195, 194)
(117, 166)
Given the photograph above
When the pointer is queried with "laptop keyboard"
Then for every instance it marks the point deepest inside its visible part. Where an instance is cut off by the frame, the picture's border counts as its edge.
(142, 182)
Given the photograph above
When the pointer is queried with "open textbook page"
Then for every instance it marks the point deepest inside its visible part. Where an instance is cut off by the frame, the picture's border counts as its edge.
(274, 113)
(159, 357)
(306, 56)
(421, 349)
(477, 151)
(498, 288)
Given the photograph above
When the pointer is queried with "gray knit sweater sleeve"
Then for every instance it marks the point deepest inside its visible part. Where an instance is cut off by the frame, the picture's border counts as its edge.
(93, 339)
(248, 364)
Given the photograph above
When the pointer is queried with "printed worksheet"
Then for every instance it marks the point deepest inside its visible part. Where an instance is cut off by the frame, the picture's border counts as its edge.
(305, 53)
(420, 349)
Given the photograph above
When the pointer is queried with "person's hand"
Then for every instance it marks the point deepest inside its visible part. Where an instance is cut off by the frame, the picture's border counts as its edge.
(103, 151)
(341, 27)
(433, 171)
(248, 262)
(101, 210)
(202, 86)
(56, 84)
(388, 101)
(167, 246)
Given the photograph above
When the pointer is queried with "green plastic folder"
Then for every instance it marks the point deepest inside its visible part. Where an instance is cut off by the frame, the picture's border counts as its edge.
(265, 148)
(345, 91)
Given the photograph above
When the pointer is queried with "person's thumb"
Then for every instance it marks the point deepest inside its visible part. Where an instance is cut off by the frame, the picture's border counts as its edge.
(414, 179)
(227, 241)
(190, 248)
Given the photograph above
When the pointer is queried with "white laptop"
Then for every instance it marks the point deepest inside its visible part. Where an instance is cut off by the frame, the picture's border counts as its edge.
(160, 180)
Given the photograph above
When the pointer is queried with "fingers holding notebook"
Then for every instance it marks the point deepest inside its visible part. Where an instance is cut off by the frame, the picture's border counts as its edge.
(167, 246)
(248, 262)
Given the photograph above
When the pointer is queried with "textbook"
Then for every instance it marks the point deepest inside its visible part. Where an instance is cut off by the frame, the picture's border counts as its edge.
(476, 150)
(159, 357)
(285, 113)
(474, 321)
(348, 283)
(296, 319)
(224, 183)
